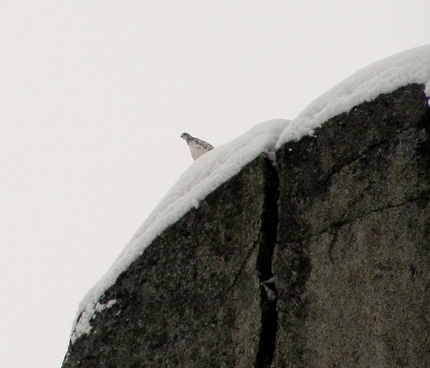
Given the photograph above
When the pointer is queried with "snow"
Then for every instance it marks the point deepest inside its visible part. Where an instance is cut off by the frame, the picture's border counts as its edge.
(101, 307)
(217, 166)
(206, 174)
(384, 76)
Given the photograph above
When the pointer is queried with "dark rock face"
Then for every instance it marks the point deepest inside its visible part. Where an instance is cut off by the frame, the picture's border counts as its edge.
(194, 298)
(353, 251)
(348, 241)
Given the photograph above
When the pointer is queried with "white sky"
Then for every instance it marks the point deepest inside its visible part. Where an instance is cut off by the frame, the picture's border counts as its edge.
(93, 98)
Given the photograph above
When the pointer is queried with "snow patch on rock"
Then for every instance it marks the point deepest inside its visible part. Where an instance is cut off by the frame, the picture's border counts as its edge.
(384, 76)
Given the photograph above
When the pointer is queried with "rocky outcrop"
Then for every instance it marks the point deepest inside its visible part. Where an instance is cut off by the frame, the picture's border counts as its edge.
(352, 257)
(194, 299)
(343, 223)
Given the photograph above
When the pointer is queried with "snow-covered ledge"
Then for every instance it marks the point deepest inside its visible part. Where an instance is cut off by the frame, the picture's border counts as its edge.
(384, 76)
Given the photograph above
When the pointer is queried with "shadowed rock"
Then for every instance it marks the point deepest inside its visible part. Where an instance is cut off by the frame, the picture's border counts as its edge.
(352, 259)
(194, 299)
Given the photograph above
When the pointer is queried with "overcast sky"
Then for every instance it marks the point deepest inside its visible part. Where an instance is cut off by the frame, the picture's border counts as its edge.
(93, 98)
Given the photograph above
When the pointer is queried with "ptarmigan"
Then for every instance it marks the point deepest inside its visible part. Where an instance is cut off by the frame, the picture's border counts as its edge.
(197, 146)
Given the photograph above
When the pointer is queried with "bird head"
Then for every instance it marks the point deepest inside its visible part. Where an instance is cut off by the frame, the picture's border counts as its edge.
(186, 136)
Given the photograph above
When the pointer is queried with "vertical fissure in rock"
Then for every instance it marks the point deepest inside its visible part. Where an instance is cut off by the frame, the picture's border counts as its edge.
(269, 315)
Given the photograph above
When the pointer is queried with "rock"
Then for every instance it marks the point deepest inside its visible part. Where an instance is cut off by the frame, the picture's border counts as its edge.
(194, 298)
(352, 258)
(348, 241)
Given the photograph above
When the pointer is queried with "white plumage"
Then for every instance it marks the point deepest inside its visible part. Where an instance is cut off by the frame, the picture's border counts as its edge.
(197, 146)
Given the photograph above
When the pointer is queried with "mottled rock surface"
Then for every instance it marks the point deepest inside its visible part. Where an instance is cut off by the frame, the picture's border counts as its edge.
(194, 297)
(350, 252)
(353, 253)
